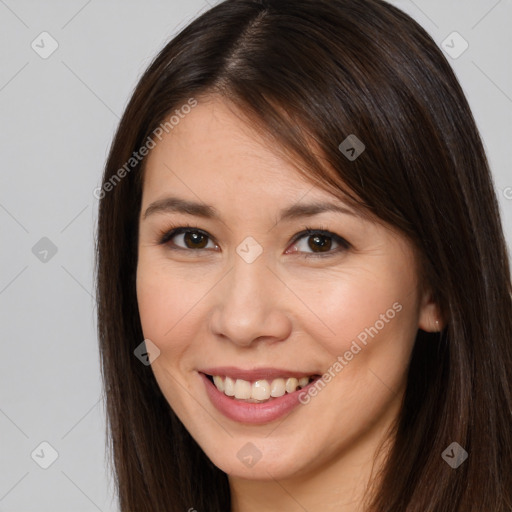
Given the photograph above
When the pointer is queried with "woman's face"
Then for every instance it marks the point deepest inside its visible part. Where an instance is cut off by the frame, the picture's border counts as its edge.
(245, 296)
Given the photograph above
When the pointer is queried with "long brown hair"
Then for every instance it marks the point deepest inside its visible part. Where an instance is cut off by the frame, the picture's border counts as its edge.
(309, 73)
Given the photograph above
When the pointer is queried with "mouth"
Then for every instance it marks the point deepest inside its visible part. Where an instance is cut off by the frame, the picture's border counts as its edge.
(259, 391)
(255, 396)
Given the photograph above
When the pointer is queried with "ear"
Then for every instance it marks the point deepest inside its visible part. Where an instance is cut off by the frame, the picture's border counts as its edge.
(430, 318)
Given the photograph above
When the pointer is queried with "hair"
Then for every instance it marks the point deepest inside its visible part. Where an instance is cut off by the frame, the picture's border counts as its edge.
(309, 73)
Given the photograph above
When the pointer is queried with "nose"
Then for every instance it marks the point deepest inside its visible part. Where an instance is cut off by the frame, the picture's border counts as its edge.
(249, 305)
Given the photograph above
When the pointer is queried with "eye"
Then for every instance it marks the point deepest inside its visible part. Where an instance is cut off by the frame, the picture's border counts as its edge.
(318, 242)
(312, 242)
(187, 237)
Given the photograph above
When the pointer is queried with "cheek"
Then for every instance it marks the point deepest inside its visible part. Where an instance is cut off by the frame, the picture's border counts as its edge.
(154, 302)
(172, 314)
(365, 324)
(165, 307)
(165, 298)
(356, 304)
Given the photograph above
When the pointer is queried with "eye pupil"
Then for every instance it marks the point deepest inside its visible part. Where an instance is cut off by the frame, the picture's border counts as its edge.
(198, 240)
(321, 242)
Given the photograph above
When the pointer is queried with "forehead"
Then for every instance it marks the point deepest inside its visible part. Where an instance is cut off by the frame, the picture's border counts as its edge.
(214, 150)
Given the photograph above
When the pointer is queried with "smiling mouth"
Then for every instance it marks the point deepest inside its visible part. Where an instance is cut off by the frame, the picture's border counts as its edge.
(259, 391)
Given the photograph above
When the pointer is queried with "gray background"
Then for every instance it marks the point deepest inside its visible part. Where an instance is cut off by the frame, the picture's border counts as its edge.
(58, 116)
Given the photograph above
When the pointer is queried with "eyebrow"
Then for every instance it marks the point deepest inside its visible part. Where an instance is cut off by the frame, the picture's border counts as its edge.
(175, 204)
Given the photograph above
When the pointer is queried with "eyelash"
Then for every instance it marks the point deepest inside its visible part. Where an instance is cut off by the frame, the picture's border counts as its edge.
(165, 236)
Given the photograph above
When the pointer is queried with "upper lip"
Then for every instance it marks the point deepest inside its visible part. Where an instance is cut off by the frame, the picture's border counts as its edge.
(254, 374)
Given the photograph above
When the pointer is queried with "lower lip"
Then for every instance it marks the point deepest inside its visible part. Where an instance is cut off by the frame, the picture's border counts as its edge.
(245, 412)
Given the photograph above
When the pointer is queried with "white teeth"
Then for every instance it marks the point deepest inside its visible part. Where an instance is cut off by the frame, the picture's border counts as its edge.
(260, 390)
(291, 384)
(229, 386)
(303, 381)
(277, 388)
(218, 382)
(243, 389)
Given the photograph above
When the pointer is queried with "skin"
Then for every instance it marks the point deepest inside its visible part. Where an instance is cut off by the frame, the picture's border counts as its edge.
(209, 307)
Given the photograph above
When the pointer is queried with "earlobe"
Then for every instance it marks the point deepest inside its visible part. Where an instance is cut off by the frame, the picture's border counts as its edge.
(430, 318)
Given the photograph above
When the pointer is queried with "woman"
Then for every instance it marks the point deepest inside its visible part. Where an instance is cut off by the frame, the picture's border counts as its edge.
(304, 294)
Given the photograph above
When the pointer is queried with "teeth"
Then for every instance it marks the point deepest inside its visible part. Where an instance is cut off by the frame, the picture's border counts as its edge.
(229, 386)
(218, 382)
(277, 388)
(291, 385)
(260, 390)
(243, 389)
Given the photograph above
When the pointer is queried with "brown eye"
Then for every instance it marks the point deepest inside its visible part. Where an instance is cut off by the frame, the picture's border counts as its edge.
(186, 238)
(195, 240)
(319, 243)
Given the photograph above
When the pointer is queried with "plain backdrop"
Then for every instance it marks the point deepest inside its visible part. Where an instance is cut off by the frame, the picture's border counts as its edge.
(58, 116)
